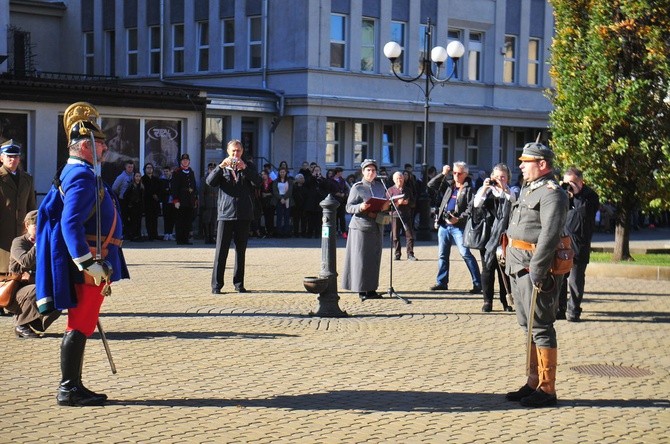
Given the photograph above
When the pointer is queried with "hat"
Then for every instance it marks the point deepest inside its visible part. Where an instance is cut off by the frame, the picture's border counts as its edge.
(184, 156)
(536, 151)
(9, 148)
(79, 121)
(368, 162)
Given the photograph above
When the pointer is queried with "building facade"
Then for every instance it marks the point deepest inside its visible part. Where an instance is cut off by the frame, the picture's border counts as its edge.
(303, 80)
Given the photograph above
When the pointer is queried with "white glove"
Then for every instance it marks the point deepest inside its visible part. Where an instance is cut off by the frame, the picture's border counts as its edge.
(176, 205)
(97, 272)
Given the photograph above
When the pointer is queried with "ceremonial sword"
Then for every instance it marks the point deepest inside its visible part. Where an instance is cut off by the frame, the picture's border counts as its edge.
(106, 290)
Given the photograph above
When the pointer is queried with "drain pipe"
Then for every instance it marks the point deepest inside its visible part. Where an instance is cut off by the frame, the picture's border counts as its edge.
(265, 45)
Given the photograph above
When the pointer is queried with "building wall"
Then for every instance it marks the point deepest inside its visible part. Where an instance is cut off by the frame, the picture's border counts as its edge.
(297, 69)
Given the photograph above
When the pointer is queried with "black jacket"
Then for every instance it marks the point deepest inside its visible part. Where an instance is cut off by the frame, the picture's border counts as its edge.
(235, 197)
(581, 222)
(441, 184)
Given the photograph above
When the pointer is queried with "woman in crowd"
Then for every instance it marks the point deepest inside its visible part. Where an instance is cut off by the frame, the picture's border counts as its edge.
(496, 198)
(267, 203)
(152, 201)
(134, 198)
(366, 230)
(28, 322)
(282, 193)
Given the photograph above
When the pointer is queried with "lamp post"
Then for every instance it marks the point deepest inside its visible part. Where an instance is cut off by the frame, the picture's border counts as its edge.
(438, 55)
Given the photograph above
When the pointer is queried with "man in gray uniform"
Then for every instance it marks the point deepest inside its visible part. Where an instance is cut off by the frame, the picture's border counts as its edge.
(534, 231)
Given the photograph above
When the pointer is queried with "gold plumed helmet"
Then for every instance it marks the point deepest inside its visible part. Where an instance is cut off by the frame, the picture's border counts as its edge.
(79, 122)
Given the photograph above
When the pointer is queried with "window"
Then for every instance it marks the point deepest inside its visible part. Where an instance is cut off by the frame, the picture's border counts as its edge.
(418, 144)
(338, 41)
(333, 140)
(178, 48)
(446, 145)
(228, 44)
(110, 53)
(475, 57)
(390, 134)
(214, 133)
(89, 51)
(533, 62)
(361, 142)
(473, 148)
(453, 35)
(255, 43)
(398, 35)
(368, 46)
(509, 64)
(131, 42)
(203, 46)
(155, 50)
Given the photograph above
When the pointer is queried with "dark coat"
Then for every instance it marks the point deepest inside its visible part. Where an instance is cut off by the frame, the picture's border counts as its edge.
(184, 188)
(581, 222)
(17, 200)
(445, 186)
(235, 197)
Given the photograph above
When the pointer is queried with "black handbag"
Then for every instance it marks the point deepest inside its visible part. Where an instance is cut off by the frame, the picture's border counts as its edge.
(477, 231)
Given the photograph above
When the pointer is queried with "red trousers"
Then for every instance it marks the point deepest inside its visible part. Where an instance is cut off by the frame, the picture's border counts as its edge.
(84, 317)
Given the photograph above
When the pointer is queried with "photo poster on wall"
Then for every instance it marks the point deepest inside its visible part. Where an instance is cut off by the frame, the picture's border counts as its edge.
(162, 143)
(14, 126)
(123, 144)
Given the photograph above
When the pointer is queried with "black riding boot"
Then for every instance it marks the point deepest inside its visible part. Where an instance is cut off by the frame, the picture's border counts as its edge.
(71, 392)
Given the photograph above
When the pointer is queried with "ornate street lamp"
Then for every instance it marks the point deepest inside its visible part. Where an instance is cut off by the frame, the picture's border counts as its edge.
(438, 55)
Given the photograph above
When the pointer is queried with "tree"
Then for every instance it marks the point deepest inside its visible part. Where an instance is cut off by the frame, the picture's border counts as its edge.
(611, 117)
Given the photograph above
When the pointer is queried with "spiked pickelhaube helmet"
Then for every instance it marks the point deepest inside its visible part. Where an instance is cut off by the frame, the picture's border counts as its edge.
(79, 122)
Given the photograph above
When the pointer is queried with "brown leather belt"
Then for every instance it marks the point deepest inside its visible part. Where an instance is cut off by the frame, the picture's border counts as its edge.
(111, 240)
(521, 245)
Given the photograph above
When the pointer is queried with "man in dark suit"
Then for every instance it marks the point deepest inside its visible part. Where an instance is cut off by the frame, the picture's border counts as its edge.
(235, 178)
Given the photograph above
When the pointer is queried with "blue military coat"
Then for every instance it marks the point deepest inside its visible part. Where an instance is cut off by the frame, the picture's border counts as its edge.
(66, 231)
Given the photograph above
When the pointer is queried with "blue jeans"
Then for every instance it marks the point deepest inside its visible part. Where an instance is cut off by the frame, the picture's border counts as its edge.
(446, 236)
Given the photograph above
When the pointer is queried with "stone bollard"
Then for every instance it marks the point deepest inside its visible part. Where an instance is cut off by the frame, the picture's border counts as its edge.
(326, 283)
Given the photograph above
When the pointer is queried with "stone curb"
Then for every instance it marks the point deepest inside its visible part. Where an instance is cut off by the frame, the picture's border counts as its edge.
(647, 272)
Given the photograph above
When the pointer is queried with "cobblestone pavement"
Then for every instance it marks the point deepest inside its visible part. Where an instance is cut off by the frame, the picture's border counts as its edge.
(256, 367)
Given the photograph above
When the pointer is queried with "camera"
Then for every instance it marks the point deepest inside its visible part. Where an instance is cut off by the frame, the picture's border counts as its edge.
(493, 183)
(566, 186)
(233, 163)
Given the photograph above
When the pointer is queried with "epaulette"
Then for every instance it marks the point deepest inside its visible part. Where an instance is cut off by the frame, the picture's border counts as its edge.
(552, 185)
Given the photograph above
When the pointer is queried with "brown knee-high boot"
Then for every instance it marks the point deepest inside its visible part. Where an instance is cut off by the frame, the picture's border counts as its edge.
(531, 383)
(545, 395)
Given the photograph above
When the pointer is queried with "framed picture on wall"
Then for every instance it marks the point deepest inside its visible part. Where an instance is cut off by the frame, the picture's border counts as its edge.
(162, 143)
(123, 144)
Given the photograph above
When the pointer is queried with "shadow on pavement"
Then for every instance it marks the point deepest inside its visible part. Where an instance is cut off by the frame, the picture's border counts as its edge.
(388, 401)
(141, 335)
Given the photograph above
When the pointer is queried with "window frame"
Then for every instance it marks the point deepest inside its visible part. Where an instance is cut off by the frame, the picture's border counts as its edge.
(472, 148)
(475, 53)
(202, 46)
(371, 48)
(177, 50)
(534, 63)
(334, 42)
(400, 64)
(227, 47)
(254, 45)
(110, 53)
(154, 51)
(132, 66)
(453, 35)
(334, 156)
(510, 60)
(362, 148)
(89, 53)
(394, 145)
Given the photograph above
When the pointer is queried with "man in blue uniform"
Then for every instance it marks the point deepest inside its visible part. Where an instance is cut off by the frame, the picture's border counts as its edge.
(68, 274)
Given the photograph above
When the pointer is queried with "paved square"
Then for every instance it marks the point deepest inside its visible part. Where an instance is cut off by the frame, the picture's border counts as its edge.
(255, 367)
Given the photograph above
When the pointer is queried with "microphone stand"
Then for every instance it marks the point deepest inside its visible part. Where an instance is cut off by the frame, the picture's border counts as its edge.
(391, 291)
